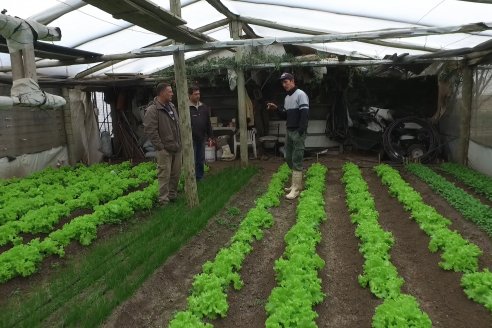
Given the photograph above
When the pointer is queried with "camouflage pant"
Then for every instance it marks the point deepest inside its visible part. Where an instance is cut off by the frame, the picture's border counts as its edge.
(294, 145)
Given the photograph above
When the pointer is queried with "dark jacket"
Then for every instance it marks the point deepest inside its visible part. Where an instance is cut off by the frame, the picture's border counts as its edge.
(161, 125)
(201, 127)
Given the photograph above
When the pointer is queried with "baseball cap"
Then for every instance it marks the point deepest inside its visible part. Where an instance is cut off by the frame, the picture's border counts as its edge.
(286, 76)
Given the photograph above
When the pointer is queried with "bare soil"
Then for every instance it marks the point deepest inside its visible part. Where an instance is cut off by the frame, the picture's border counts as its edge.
(346, 303)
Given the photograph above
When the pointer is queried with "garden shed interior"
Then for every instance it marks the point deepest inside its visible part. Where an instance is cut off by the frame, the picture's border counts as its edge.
(427, 59)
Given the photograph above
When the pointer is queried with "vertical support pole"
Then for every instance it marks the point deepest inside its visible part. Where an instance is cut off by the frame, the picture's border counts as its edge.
(184, 119)
(17, 65)
(236, 28)
(29, 62)
(465, 117)
(67, 119)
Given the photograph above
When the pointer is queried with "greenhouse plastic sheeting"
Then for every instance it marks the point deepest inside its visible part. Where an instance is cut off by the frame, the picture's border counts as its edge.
(87, 141)
(88, 28)
(26, 164)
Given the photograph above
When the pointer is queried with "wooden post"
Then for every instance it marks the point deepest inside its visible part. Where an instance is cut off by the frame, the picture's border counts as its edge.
(465, 117)
(184, 119)
(67, 119)
(17, 65)
(241, 97)
(29, 62)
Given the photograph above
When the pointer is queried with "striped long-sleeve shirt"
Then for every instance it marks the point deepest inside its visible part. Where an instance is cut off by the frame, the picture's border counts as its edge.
(296, 107)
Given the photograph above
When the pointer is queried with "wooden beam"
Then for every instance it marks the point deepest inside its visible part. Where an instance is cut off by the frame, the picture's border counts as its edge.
(359, 36)
(300, 30)
(465, 117)
(17, 65)
(478, 1)
(148, 15)
(241, 97)
(165, 42)
(184, 120)
(69, 131)
(221, 8)
(29, 60)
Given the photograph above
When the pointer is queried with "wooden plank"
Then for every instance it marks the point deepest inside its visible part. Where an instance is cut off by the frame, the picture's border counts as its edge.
(300, 30)
(149, 16)
(165, 42)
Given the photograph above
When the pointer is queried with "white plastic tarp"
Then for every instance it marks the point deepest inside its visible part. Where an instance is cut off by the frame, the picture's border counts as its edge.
(91, 29)
(26, 164)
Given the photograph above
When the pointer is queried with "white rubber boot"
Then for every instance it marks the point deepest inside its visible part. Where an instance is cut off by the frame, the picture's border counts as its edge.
(296, 185)
(291, 184)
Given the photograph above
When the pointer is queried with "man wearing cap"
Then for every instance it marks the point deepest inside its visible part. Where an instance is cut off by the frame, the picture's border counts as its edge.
(296, 110)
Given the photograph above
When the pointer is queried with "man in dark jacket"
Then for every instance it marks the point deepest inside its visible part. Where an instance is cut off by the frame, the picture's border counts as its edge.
(161, 125)
(201, 129)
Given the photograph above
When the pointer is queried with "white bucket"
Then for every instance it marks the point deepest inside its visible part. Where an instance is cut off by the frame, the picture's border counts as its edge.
(209, 154)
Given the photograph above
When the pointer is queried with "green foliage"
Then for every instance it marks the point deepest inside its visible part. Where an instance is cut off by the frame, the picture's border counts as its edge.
(402, 311)
(209, 291)
(233, 211)
(86, 190)
(478, 287)
(380, 275)
(298, 286)
(186, 319)
(453, 246)
(481, 183)
(470, 207)
(22, 259)
(87, 288)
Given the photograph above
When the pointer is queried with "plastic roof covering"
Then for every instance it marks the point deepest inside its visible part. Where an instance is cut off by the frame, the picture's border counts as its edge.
(91, 29)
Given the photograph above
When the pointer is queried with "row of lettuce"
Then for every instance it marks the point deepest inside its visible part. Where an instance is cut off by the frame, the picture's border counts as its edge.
(380, 275)
(470, 207)
(298, 285)
(208, 299)
(85, 191)
(298, 289)
(457, 253)
(108, 206)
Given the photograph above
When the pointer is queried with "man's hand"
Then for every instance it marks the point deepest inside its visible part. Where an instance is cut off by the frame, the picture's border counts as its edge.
(271, 106)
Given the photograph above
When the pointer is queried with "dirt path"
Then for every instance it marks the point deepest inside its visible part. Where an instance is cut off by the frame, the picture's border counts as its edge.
(165, 292)
(438, 291)
(247, 306)
(346, 304)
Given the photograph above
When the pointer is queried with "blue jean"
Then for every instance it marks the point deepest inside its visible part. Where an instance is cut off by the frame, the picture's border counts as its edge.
(199, 150)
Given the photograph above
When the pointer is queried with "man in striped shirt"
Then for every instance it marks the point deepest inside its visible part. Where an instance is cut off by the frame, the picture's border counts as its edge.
(296, 110)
